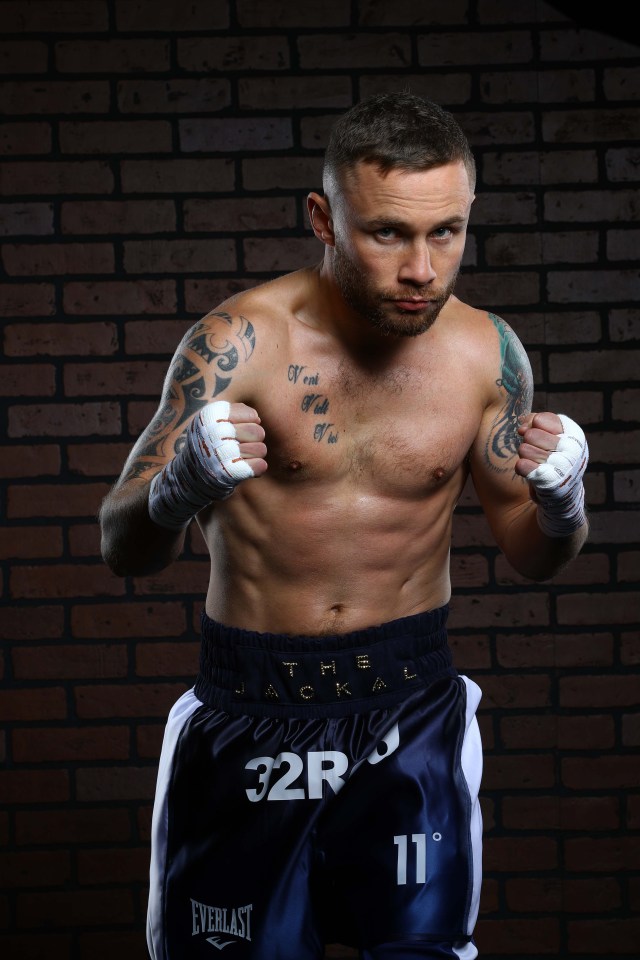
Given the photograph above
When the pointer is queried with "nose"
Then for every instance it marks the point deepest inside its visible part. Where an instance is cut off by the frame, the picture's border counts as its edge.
(417, 267)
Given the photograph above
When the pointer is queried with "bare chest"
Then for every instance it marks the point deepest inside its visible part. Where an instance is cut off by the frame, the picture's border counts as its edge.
(401, 431)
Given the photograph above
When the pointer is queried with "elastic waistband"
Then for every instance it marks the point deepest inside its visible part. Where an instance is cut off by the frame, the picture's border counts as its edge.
(269, 674)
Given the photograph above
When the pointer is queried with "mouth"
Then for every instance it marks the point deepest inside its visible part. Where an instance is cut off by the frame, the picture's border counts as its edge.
(411, 304)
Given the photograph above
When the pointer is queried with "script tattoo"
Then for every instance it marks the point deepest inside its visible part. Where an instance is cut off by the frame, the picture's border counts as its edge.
(516, 386)
(315, 403)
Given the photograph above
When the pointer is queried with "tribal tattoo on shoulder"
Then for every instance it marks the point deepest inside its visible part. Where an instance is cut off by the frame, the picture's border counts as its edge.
(203, 351)
(515, 385)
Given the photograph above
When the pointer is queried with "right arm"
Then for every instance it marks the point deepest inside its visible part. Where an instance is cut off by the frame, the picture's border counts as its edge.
(202, 370)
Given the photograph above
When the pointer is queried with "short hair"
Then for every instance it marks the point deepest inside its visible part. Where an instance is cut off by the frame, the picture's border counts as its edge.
(396, 130)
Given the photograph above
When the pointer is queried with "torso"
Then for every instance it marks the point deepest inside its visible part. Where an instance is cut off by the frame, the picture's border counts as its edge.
(351, 524)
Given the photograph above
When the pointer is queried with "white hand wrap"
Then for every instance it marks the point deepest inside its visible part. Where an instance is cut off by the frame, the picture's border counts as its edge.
(557, 483)
(208, 467)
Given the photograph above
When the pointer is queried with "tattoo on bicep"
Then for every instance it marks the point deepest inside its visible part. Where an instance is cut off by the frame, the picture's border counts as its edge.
(516, 388)
(221, 347)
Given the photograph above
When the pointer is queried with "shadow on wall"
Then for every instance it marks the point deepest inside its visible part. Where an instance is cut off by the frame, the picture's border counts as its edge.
(613, 18)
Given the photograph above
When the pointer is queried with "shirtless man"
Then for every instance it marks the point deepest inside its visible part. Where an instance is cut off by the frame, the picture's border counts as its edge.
(326, 681)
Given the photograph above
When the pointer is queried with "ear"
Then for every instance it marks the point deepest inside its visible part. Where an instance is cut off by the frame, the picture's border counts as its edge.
(320, 218)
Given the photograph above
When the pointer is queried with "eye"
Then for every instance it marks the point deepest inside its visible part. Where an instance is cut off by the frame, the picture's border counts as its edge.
(386, 233)
(442, 233)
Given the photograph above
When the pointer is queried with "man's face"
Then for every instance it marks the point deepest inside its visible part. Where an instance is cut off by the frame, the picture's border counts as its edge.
(399, 240)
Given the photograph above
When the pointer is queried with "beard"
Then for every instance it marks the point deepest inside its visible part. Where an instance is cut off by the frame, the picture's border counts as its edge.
(378, 306)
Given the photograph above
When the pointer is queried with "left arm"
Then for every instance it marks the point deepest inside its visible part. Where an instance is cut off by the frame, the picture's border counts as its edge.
(539, 522)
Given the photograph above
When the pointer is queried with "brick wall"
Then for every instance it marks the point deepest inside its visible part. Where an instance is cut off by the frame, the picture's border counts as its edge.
(155, 158)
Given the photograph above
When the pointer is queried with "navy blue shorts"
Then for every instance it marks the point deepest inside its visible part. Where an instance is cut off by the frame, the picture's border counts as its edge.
(316, 790)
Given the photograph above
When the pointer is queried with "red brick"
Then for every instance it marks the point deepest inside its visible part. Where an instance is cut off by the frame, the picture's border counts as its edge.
(240, 52)
(171, 15)
(580, 896)
(294, 92)
(630, 648)
(109, 701)
(518, 772)
(631, 730)
(182, 577)
(614, 773)
(63, 419)
(624, 325)
(68, 16)
(609, 690)
(560, 813)
(117, 216)
(27, 299)
(379, 13)
(149, 740)
(331, 51)
(513, 690)
(114, 379)
(470, 652)
(179, 256)
(22, 56)
(603, 855)
(177, 176)
(120, 297)
(40, 869)
(167, 659)
(70, 661)
(84, 540)
(611, 937)
(27, 379)
(113, 56)
(527, 854)
(229, 134)
(586, 733)
(33, 786)
(24, 138)
(633, 812)
(625, 404)
(44, 622)
(63, 580)
(201, 296)
(605, 608)
(534, 895)
(38, 744)
(54, 96)
(516, 938)
(204, 95)
(590, 126)
(281, 254)
(25, 543)
(115, 784)
(64, 500)
(72, 826)
(120, 620)
(115, 136)
(154, 336)
(56, 177)
(281, 13)
(555, 649)
(33, 219)
(27, 260)
(74, 908)
(529, 732)
(34, 703)
(113, 866)
(97, 459)
(61, 339)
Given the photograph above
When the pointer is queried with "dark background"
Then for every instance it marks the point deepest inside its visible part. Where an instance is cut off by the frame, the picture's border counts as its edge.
(155, 158)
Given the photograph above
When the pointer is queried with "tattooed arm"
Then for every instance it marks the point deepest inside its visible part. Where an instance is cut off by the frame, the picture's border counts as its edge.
(498, 468)
(208, 365)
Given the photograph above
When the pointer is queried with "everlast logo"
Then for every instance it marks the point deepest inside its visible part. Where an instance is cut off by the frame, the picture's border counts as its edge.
(231, 921)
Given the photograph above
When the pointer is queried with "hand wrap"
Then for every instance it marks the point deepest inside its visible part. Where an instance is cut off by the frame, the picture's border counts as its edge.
(208, 467)
(557, 483)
